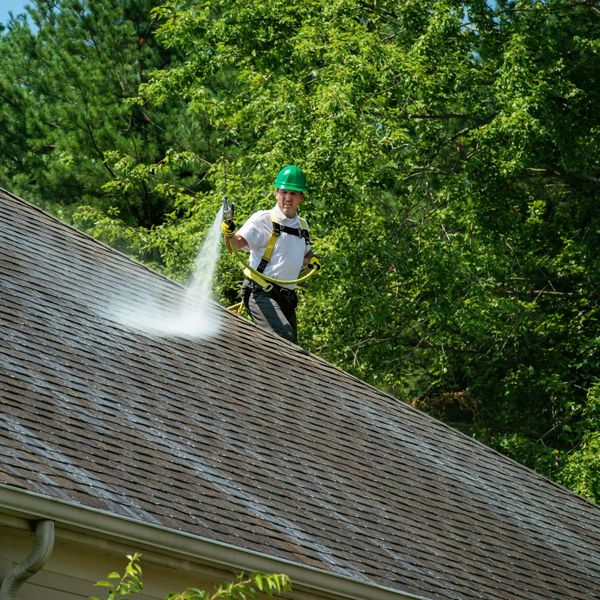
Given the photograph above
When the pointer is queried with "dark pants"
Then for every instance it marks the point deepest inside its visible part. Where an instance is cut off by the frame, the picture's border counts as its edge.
(274, 310)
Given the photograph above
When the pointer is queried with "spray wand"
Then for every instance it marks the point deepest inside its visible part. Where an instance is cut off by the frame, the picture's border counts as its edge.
(228, 210)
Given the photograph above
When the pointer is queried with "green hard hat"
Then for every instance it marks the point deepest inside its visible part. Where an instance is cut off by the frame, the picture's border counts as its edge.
(291, 178)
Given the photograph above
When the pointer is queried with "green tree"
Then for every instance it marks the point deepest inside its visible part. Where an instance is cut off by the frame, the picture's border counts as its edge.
(452, 160)
(66, 72)
(581, 465)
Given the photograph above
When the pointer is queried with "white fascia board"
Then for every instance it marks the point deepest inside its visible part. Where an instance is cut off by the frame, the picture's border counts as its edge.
(172, 543)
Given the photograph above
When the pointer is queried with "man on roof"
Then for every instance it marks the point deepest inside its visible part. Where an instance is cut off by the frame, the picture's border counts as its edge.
(279, 247)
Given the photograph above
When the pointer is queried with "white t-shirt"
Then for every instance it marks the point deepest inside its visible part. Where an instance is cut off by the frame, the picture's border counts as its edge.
(288, 255)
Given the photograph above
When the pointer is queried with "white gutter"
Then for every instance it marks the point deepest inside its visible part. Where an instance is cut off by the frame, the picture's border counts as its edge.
(40, 553)
(105, 525)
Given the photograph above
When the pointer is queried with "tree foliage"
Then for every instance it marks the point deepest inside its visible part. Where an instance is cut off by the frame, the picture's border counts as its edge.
(452, 156)
(67, 71)
(245, 587)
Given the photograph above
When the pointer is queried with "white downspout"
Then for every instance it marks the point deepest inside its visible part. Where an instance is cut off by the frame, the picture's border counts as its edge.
(42, 549)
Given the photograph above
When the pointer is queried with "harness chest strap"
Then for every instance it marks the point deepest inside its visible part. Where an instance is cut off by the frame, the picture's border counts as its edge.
(277, 230)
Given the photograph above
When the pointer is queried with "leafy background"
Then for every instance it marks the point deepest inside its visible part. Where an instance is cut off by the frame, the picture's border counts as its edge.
(452, 154)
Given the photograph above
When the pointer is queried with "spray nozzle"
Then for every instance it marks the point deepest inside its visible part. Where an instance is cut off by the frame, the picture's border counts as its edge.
(228, 210)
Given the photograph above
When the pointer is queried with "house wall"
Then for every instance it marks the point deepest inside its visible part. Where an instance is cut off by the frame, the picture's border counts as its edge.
(77, 562)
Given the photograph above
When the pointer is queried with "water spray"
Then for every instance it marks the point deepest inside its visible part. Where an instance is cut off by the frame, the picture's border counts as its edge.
(193, 315)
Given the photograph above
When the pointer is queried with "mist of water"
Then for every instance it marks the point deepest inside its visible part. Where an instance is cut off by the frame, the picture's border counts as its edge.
(192, 315)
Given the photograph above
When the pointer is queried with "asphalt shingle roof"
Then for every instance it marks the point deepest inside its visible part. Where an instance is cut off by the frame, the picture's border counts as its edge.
(248, 440)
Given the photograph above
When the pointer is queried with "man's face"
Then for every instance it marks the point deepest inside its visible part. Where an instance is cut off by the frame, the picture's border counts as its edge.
(288, 201)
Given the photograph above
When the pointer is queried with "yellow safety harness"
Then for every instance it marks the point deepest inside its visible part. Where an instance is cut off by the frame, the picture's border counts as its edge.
(257, 275)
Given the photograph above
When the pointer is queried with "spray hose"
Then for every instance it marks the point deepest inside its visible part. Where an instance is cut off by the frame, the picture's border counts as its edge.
(257, 274)
(263, 280)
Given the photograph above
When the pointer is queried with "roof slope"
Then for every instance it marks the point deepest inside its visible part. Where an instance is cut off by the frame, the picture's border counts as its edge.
(248, 440)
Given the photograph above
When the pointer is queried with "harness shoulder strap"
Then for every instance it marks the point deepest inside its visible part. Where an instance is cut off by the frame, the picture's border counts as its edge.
(304, 229)
(270, 244)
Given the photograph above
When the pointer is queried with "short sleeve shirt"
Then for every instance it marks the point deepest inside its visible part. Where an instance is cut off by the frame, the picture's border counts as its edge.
(289, 252)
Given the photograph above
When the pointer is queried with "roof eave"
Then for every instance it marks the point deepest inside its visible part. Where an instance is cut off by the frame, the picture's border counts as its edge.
(162, 540)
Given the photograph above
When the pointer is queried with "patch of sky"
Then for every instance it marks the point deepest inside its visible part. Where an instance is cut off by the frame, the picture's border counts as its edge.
(16, 7)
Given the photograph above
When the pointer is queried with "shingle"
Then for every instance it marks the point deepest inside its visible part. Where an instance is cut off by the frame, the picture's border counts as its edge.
(272, 450)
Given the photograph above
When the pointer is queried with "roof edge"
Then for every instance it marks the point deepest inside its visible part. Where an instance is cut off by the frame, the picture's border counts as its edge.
(30, 505)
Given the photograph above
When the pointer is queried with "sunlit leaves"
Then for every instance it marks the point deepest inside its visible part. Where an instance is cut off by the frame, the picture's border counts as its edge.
(246, 586)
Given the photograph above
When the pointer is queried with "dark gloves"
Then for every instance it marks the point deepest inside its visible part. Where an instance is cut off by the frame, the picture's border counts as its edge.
(314, 263)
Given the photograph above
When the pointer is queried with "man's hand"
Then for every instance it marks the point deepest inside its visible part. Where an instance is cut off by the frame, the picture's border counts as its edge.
(314, 263)
(228, 228)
